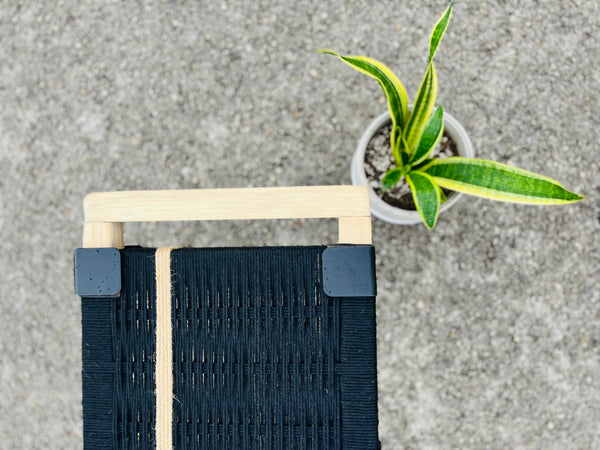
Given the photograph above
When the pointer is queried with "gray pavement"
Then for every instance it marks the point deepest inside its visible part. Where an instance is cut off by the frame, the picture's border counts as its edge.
(488, 327)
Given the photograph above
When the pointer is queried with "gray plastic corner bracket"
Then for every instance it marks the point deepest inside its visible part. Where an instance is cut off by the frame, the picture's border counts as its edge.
(97, 272)
(349, 271)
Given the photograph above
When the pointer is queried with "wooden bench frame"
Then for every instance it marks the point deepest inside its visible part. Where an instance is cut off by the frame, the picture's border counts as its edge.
(106, 212)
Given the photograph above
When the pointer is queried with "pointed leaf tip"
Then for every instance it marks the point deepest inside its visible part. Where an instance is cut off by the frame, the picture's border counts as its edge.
(438, 31)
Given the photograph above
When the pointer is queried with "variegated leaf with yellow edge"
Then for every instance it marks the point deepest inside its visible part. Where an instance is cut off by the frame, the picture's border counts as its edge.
(393, 89)
(431, 136)
(497, 181)
(422, 109)
(438, 31)
(426, 195)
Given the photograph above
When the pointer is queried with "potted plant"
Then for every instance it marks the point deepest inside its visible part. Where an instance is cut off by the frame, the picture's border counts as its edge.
(414, 169)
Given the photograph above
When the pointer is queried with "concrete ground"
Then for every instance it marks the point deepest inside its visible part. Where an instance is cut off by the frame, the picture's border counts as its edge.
(488, 327)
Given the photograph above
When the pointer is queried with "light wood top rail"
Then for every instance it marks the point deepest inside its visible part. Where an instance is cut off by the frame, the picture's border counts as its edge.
(227, 204)
(105, 212)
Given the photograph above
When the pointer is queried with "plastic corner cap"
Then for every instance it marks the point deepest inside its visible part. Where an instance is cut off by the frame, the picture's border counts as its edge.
(349, 271)
(97, 272)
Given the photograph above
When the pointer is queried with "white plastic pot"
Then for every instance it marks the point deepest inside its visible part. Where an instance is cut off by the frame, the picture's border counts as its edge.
(381, 209)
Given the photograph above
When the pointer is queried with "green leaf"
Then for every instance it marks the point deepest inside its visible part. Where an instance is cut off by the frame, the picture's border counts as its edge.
(422, 109)
(395, 143)
(404, 159)
(438, 31)
(391, 178)
(425, 163)
(498, 181)
(426, 195)
(432, 134)
(442, 195)
(391, 85)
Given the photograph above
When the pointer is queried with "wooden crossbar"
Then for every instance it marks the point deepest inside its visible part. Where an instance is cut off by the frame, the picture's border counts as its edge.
(105, 212)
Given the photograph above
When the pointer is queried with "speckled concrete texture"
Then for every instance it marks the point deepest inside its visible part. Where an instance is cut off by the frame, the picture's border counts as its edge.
(488, 327)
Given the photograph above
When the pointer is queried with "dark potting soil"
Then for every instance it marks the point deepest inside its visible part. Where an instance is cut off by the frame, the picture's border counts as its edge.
(378, 160)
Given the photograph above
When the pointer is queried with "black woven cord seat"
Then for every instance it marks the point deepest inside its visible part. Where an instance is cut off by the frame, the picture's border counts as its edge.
(262, 357)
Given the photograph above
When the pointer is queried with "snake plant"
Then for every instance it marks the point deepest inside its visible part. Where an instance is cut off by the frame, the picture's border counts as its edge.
(416, 133)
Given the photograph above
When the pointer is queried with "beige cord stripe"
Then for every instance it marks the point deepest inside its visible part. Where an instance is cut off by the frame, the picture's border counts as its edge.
(164, 351)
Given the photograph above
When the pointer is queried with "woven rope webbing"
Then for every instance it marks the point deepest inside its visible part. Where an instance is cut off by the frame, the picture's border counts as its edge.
(118, 350)
(261, 357)
(258, 344)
